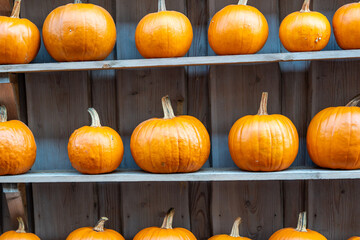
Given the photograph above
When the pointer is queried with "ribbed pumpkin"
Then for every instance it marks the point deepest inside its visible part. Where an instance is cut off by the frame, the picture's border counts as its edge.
(19, 234)
(79, 32)
(96, 233)
(354, 238)
(95, 149)
(234, 235)
(19, 38)
(346, 22)
(17, 146)
(238, 29)
(333, 137)
(299, 233)
(171, 144)
(163, 34)
(305, 30)
(263, 142)
(166, 231)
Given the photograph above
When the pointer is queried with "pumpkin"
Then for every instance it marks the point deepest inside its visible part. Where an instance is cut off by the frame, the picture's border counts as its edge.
(19, 38)
(171, 144)
(96, 233)
(163, 34)
(95, 149)
(19, 234)
(263, 142)
(299, 233)
(354, 238)
(79, 32)
(234, 233)
(305, 30)
(333, 137)
(346, 22)
(238, 29)
(17, 146)
(166, 231)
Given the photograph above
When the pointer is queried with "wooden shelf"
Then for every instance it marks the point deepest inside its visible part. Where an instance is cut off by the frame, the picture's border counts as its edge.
(202, 175)
(184, 61)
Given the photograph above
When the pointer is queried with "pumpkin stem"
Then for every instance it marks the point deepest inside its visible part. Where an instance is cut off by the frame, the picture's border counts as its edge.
(77, 1)
(301, 227)
(235, 228)
(168, 220)
(99, 227)
(3, 114)
(161, 5)
(263, 104)
(305, 6)
(95, 120)
(168, 110)
(353, 102)
(16, 9)
(242, 2)
(21, 228)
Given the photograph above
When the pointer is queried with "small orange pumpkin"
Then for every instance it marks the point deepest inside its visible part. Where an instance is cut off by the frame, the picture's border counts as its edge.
(234, 235)
(19, 38)
(96, 233)
(95, 149)
(17, 146)
(299, 233)
(305, 30)
(79, 32)
(354, 238)
(346, 22)
(19, 234)
(166, 231)
(263, 142)
(238, 29)
(172, 144)
(163, 34)
(333, 137)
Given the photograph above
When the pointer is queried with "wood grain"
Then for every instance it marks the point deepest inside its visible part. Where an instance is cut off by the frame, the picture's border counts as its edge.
(5, 7)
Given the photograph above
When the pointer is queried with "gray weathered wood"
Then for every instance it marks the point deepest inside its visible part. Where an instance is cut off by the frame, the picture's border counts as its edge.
(261, 215)
(5, 7)
(184, 61)
(9, 95)
(16, 202)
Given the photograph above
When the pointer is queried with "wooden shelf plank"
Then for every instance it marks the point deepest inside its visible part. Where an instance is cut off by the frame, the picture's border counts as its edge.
(202, 175)
(184, 61)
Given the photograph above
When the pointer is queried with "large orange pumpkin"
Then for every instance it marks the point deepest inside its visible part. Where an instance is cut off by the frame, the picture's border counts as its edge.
(163, 34)
(19, 234)
(171, 144)
(19, 38)
(79, 32)
(305, 30)
(299, 233)
(238, 29)
(346, 22)
(17, 146)
(96, 233)
(263, 142)
(95, 149)
(166, 231)
(333, 137)
(354, 238)
(234, 235)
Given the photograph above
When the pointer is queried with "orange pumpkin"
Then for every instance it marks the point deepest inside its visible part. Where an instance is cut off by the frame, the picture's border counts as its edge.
(354, 238)
(19, 234)
(172, 144)
(299, 233)
(305, 30)
(95, 149)
(17, 146)
(238, 29)
(19, 38)
(79, 32)
(263, 142)
(163, 34)
(346, 22)
(96, 233)
(234, 235)
(333, 137)
(165, 232)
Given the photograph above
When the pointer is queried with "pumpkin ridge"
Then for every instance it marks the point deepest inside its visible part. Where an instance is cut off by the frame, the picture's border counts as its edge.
(193, 125)
(280, 124)
(154, 127)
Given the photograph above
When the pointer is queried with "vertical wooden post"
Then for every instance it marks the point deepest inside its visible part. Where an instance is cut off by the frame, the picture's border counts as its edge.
(9, 95)
(15, 195)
